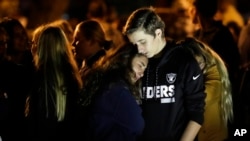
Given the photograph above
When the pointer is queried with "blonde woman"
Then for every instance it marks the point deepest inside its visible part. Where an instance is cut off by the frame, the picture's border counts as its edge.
(219, 106)
(51, 106)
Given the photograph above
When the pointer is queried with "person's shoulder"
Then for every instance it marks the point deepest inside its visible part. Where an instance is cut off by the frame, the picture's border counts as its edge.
(115, 92)
(175, 45)
(181, 50)
(170, 42)
(119, 86)
(169, 48)
(116, 88)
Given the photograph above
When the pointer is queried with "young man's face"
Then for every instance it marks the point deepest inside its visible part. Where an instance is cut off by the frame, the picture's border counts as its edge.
(146, 43)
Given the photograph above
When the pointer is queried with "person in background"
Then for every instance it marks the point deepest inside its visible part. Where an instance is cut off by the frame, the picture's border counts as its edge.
(105, 13)
(243, 45)
(243, 105)
(173, 97)
(66, 27)
(230, 16)
(90, 44)
(112, 89)
(16, 75)
(214, 33)
(220, 39)
(52, 103)
(3, 95)
(3, 42)
(219, 105)
(179, 20)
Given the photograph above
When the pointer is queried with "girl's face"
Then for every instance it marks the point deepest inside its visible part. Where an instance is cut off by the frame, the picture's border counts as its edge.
(81, 45)
(139, 64)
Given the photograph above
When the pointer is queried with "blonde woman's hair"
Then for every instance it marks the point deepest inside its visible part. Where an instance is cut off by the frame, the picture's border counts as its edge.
(52, 54)
(211, 58)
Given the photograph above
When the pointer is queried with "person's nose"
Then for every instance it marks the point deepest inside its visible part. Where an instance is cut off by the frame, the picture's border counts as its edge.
(140, 48)
(73, 43)
(140, 73)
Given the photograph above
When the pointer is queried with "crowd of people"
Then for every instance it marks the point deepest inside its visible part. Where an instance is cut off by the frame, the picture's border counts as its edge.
(154, 79)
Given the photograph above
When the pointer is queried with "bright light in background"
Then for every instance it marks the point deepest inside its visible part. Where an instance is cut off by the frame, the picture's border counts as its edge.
(8, 7)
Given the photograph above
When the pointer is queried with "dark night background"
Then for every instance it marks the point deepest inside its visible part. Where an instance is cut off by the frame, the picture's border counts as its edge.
(36, 12)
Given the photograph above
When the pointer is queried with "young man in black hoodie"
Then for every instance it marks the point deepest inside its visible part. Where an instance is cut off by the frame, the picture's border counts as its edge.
(173, 88)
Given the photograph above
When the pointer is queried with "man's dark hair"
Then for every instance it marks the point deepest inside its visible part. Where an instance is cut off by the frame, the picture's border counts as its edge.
(145, 19)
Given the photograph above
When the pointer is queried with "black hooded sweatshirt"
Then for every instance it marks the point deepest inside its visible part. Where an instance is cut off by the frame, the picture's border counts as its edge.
(173, 94)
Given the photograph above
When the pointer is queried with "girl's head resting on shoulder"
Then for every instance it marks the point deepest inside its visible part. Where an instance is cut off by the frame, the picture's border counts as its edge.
(128, 62)
(124, 64)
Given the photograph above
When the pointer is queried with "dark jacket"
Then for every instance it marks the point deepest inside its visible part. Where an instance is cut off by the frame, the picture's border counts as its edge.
(173, 94)
(115, 115)
(42, 125)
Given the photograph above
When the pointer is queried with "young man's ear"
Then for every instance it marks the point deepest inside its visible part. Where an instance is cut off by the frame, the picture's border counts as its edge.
(158, 32)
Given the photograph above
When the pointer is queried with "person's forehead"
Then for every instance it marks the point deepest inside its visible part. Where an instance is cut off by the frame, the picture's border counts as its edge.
(140, 60)
(77, 33)
(142, 57)
(138, 36)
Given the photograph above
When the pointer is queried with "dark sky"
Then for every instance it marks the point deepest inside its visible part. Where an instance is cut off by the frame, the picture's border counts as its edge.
(45, 10)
